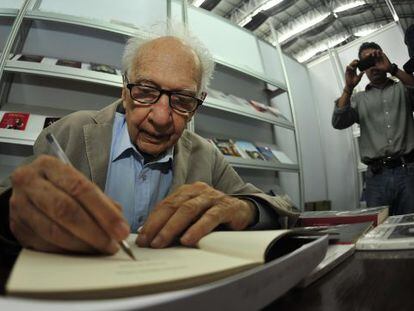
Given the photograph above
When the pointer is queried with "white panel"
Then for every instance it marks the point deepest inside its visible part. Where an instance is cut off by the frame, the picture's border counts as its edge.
(309, 131)
(5, 26)
(271, 62)
(340, 165)
(289, 183)
(11, 4)
(141, 13)
(228, 43)
(176, 10)
(390, 39)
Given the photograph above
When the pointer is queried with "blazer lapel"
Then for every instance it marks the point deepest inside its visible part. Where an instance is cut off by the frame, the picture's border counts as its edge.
(182, 151)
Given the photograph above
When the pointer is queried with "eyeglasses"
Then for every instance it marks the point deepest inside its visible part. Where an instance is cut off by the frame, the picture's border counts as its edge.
(147, 95)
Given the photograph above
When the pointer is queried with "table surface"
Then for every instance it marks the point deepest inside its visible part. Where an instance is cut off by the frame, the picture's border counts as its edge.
(381, 280)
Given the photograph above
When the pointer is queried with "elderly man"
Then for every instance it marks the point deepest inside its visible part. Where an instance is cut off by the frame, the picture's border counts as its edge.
(136, 154)
(385, 113)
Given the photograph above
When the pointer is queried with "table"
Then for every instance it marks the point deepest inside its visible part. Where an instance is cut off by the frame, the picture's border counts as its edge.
(374, 280)
(377, 281)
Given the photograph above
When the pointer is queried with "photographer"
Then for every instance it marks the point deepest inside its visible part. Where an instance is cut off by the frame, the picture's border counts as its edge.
(385, 114)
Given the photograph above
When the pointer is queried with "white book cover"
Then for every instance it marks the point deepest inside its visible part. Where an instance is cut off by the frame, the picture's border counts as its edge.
(282, 157)
(388, 237)
(400, 219)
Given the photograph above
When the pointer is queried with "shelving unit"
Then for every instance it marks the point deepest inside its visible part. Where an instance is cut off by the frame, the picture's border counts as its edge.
(63, 89)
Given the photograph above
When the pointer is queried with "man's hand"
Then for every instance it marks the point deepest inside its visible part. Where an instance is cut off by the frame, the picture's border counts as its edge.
(351, 77)
(191, 212)
(381, 61)
(55, 208)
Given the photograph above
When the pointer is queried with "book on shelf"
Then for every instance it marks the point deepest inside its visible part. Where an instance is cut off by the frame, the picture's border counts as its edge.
(69, 63)
(281, 156)
(266, 151)
(335, 255)
(399, 219)
(248, 150)
(50, 121)
(317, 218)
(217, 94)
(238, 101)
(388, 237)
(103, 68)
(218, 255)
(227, 147)
(30, 58)
(14, 120)
(258, 106)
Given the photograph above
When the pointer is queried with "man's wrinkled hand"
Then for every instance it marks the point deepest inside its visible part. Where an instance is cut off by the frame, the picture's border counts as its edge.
(190, 213)
(55, 208)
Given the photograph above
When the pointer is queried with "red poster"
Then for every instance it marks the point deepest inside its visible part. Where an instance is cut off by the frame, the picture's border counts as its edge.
(14, 120)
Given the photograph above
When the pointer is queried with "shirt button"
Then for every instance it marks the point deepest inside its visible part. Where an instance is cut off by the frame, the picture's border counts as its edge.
(389, 141)
(388, 126)
(384, 101)
(386, 112)
(144, 177)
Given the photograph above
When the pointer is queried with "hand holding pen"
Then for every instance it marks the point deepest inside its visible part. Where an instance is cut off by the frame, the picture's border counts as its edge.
(55, 208)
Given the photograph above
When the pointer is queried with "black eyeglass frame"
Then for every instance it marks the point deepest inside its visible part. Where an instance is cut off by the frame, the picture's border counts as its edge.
(168, 93)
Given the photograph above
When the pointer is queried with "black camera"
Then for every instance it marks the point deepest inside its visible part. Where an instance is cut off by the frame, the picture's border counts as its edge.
(366, 63)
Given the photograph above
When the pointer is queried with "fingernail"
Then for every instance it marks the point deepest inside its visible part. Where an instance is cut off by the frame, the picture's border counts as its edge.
(142, 240)
(157, 242)
(186, 239)
(122, 230)
(139, 229)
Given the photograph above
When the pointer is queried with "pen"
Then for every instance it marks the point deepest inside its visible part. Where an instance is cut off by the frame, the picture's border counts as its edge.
(60, 154)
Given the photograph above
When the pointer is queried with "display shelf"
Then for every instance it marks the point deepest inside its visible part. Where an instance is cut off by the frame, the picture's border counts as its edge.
(86, 22)
(51, 70)
(8, 12)
(261, 164)
(247, 112)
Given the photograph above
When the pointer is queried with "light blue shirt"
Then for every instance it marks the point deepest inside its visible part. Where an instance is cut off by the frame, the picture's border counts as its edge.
(138, 187)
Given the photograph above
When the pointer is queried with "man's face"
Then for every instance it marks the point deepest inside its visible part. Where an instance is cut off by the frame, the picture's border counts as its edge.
(164, 63)
(374, 74)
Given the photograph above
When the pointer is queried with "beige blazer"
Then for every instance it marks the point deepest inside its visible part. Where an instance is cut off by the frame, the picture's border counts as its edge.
(86, 137)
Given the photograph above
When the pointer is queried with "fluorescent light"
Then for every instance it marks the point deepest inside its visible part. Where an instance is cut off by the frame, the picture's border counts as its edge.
(266, 5)
(197, 3)
(302, 26)
(348, 6)
(364, 32)
(309, 53)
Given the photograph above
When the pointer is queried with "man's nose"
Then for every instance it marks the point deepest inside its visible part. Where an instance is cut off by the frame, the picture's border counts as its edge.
(161, 113)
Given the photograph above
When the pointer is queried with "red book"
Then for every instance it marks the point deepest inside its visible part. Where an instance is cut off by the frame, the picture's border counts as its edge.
(322, 218)
(14, 120)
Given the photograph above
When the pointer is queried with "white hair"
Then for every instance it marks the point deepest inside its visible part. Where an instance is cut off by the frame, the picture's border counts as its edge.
(180, 32)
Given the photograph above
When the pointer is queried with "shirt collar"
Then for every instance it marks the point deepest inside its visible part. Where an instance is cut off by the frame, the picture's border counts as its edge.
(123, 144)
(388, 83)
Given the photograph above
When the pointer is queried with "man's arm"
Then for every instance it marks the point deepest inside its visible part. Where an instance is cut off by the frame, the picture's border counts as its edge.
(405, 78)
(344, 115)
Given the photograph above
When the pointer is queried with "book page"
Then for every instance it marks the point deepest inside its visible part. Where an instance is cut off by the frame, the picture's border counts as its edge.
(250, 245)
(39, 272)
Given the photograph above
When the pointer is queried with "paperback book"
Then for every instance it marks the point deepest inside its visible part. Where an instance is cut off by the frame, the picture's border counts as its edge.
(248, 150)
(69, 63)
(400, 219)
(14, 120)
(267, 153)
(227, 147)
(31, 58)
(388, 237)
(103, 68)
(49, 121)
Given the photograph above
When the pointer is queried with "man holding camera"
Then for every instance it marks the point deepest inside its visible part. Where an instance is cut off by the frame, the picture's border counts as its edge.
(385, 114)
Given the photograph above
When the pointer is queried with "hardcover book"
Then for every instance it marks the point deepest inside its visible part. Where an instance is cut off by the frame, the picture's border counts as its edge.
(400, 219)
(69, 63)
(377, 215)
(218, 255)
(388, 237)
(31, 58)
(248, 150)
(103, 68)
(14, 120)
(227, 147)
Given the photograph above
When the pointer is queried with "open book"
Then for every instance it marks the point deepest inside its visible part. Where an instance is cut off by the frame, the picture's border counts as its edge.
(219, 254)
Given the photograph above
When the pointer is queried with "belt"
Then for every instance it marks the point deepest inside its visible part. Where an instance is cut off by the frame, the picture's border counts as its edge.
(392, 162)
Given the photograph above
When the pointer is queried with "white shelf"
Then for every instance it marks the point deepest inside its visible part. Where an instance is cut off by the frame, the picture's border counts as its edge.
(50, 70)
(261, 164)
(247, 112)
(86, 22)
(8, 12)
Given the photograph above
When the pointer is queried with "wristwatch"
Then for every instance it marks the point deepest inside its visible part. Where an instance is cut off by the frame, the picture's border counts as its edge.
(394, 69)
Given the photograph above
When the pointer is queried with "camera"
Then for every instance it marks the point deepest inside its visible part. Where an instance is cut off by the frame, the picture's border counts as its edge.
(366, 63)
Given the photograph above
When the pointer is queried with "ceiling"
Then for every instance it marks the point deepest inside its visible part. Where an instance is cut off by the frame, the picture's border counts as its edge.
(329, 28)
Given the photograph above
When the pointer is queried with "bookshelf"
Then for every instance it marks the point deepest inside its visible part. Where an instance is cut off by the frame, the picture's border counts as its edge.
(55, 31)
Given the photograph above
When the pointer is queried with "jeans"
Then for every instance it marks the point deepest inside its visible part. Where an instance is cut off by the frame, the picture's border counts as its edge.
(393, 187)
